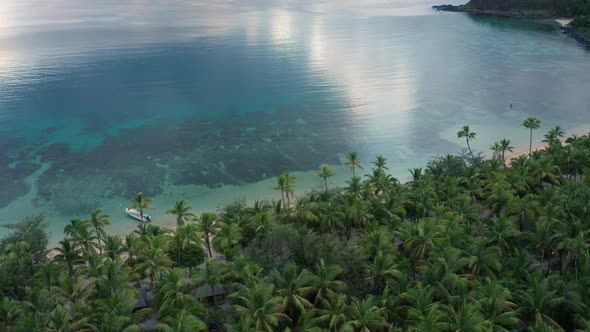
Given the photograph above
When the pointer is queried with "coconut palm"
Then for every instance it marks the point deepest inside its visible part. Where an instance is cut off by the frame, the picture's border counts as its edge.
(207, 226)
(154, 264)
(554, 136)
(99, 220)
(500, 148)
(466, 317)
(113, 246)
(47, 274)
(331, 313)
(182, 212)
(324, 173)
(68, 254)
(326, 281)
(469, 136)
(353, 162)
(211, 274)
(141, 203)
(523, 209)
(115, 313)
(259, 304)
(286, 185)
(293, 285)
(531, 123)
(432, 318)
(496, 306)
(421, 238)
(9, 312)
(576, 249)
(501, 232)
(227, 238)
(182, 321)
(363, 316)
(484, 259)
(131, 246)
(380, 163)
(382, 270)
(499, 196)
(538, 302)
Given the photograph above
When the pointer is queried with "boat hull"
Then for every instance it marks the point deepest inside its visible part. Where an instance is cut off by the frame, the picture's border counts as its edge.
(133, 213)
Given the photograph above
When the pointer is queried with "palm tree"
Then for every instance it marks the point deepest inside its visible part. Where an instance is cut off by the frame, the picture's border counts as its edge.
(523, 208)
(174, 293)
(466, 317)
(113, 246)
(421, 238)
(281, 186)
(47, 274)
(380, 163)
(325, 281)
(331, 218)
(497, 150)
(154, 264)
(290, 182)
(99, 220)
(181, 210)
(484, 258)
(554, 135)
(286, 185)
(430, 318)
(500, 149)
(501, 232)
(259, 304)
(505, 145)
(382, 270)
(495, 304)
(115, 313)
(353, 162)
(211, 274)
(324, 173)
(207, 225)
(9, 311)
(61, 320)
(332, 312)
(363, 316)
(131, 246)
(68, 254)
(531, 123)
(576, 248)
(500, 195)
(358, 213)
(140, 202)
(182, 321)
(227, 238)
(293, 286)
(538, 302)
(180, 308)
(469, 136)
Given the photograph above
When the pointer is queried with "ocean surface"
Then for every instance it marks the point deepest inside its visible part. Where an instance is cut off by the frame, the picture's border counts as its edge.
(210, 100)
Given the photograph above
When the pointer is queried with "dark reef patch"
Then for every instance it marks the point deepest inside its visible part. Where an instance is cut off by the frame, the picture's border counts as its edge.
(12, 190)
(214, 151)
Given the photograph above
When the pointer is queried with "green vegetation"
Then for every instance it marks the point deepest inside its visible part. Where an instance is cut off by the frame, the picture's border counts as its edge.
(467, 245)
(568, 8)
(578, 9)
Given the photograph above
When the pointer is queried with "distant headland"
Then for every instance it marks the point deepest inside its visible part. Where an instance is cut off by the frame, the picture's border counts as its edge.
(577, 24)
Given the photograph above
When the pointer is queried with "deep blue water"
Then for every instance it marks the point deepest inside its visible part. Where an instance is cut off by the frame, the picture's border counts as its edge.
(99, 101)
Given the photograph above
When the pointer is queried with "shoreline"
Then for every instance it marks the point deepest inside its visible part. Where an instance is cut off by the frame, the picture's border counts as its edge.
(562, 22)
(541, 146)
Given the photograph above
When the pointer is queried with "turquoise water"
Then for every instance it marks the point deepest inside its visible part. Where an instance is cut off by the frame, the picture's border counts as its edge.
(209, 100)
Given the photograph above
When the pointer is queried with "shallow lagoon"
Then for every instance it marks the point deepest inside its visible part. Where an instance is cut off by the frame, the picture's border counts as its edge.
(208, 101)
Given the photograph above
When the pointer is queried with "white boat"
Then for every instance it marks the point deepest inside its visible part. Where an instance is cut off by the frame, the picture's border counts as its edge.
(136, 215)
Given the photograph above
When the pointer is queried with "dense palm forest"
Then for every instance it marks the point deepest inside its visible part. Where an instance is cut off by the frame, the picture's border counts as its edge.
(469, 244)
